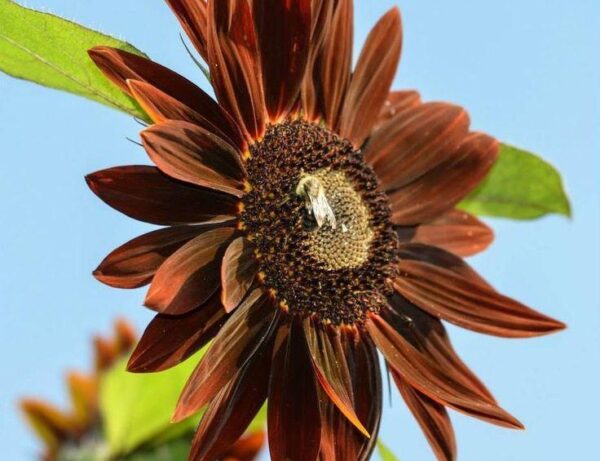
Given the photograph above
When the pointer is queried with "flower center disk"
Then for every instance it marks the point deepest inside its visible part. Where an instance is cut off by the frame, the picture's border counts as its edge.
(321, 228)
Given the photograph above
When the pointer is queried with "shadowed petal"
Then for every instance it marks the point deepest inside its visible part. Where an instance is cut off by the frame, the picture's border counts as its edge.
(331, 369)
(284, 31)
(415, 141)
(162, 107)
(169, 340)
(248, 447)
(146, 194)
(334, 67)
(247, 329)
(460, 300)
(372, 79)
(442, 188)
(429, 336)
(340, 440)
(234, 63)
(294, 420)
(120, 66)
(238, 270)
(49, 423)
(233, 409)
(134, 264)
(396, 102)
(456, 231)
(433, 419)
(192, 17)
(190, 276)
(322, 13)
(427, 377)
(189, 153)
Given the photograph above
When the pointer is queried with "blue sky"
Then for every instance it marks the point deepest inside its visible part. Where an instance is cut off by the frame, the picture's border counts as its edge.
(528, 71)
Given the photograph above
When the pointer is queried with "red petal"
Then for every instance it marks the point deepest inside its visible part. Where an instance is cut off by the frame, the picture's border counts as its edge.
(283, 29)
(189, 153)
(416, 141)
(426, 376)
(331, 369)
(440, 189)
(234, 63)
(233, 409)
(334, 66)
(456, 231)
(372, 78)
(237, 273)
(134, 264)
(162, 107)
(192, 16)
(120, 66)
(190, 276)
(293, 407)
(465, 302)
(247, 448)
(340, 440)
(247, 329)
(322, 13)
(169, 340)
(145, 194)
(429, 336)
(396, 102)
(433, 419)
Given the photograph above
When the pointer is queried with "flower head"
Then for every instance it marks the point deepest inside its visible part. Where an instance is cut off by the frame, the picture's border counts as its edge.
(311, 221)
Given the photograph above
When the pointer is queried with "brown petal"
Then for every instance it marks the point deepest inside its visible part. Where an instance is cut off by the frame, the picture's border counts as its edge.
(322, 13)
(169, 340)
(416, 141)
(189, 153)
(334, 66)
(241, 337)
(233, 409)
(284, 31)
(192, 16)
(427, 377)
(464, 302)
(125, 336)
(238, 270)
(105, 353)
(456, 231)
(440, 189)
(146, 194)
(190, 276)
(340, 440)
(247, 448)
(396, 102)
(49, 423)
(234, 64)
(83, 391)
(294, 421)
(120, 66)
(372, 78)
(134, 264)
(429, 336)
(162, 107)
(331, 369)
(433, 419)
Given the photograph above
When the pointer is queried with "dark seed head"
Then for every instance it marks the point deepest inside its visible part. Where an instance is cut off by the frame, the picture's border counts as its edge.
(321, 228)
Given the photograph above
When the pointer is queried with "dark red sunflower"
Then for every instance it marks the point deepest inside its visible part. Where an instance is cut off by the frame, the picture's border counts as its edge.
(310, 221)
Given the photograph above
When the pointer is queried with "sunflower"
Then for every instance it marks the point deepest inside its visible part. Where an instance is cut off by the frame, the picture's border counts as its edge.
(310, 222)
(65, 431)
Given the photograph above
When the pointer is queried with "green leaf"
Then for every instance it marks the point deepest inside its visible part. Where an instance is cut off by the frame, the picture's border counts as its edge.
(521, 185)
(52, 51)
(385, 453)
(137, 408)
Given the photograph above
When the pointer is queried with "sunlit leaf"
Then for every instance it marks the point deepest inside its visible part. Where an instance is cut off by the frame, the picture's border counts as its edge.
(137, 408)
(521, 185)
(51, 51)
(385, 454)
